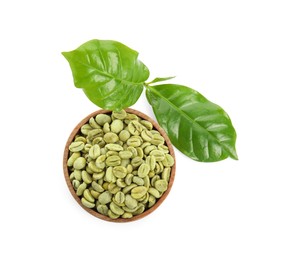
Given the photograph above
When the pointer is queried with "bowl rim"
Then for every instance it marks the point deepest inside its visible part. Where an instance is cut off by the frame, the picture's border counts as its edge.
(67, 175)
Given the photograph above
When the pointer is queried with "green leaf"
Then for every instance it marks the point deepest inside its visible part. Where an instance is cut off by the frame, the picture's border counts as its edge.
(159, 80)
(109, 72)
(197, 127)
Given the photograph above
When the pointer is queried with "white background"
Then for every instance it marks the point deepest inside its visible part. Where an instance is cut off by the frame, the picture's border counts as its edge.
(236, 53)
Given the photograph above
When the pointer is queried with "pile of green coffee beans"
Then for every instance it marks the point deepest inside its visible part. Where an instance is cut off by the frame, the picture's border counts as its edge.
(119, 165)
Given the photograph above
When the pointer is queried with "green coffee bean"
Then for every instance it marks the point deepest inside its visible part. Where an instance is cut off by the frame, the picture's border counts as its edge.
(97, 187)
(72, 176)
(110, 153)
(117, 126)
(127, 215)
(121, 183)
(113, 188)
(154, 192)
(151, 201)
(168, 160)
(151, 174)
(149, 148)
(87, 195)
(79, 163)
(159, 155)
(161, 185)
(120, 143)
(163, 148)
(130, 117)
(140, 209)
(151, 161)
(136, 162)
(87, 148)
(130, 202)
(144, 199)
(133, 151)
(138, 180)
(116, 209)
(157, 139)
(154, 179)
(87, 204)
(102, 209)
(75, 184)
(166, 174)
(129, 178)
(138, 192)
(125, 154)
(120, 114)
(155, 132)
(85, 129)
(114, 147)
(92, 167)
(100, 161)
(105, 185)
(98, 176)
(124, 135)
(106, 128)
(135, 128)
(93, 123)
(129, 188)
(98, 140)
(119, 197)
(145, 144)
(140, 152)
(110, 138)
(80, 139)
(109, 175)
(72, 159)
(105, 197)
(158, 167)
(128, 210)
(147, 135)
(94, 151)
(113, 160)
(147, 124)
(134, 141)
(129, 168)
(94, 133)
(101, 119)
(146, 182)
(161, 166)
(77, 175)
(120, 171)
(81, 189)
(112, 215)
(94, 194)
(143, 170)
(86, 177)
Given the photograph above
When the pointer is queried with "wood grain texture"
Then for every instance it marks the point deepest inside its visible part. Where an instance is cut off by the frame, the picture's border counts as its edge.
(69, 184)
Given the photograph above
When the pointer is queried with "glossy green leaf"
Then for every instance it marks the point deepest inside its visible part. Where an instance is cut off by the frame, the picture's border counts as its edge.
(109, 72)
(197, 127)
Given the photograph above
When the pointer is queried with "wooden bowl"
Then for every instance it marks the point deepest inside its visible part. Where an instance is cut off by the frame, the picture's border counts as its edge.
(76, 130)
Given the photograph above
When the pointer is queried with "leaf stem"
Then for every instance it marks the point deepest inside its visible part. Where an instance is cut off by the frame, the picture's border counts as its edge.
(158, 80)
